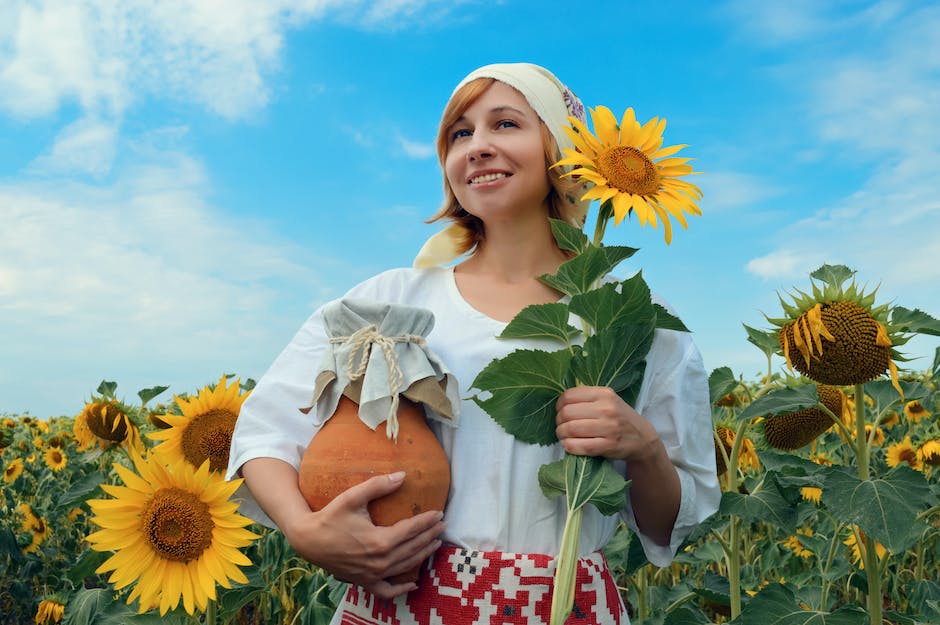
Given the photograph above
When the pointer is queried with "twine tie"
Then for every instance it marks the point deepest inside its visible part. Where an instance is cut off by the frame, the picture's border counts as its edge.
(361, 342)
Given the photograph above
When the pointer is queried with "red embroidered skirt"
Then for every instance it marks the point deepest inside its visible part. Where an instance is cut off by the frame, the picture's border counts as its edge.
(464, 587)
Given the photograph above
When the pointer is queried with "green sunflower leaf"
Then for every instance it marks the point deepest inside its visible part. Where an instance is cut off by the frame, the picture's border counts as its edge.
(665, 320)
(765, 503)
(107, 389)
(541, 321)
(915, 321)
(615, 357)
(618, 253)
(522, 390)
(568, 237)
(584, 480)
(146, 394)
(782, 401)
(614, 303)
(884, 508)
(776, 604)
(765, 341)
(579, 274)
(720, 383)
(833, 275)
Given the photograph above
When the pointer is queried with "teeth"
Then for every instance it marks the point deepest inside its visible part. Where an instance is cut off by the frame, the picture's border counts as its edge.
(487, 178)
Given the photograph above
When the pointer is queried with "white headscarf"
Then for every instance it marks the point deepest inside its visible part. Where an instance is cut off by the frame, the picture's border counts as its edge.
(552, 101)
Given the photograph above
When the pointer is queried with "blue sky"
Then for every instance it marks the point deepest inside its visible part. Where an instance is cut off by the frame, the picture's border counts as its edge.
(183, 182)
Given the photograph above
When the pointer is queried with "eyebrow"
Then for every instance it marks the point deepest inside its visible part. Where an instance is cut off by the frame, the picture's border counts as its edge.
(497, 109)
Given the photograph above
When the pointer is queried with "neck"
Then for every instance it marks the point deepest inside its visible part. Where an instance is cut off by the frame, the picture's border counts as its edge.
(517, 252)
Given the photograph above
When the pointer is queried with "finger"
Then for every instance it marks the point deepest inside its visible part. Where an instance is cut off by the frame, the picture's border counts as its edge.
(587, 446)
(414, 559)
(360, 495)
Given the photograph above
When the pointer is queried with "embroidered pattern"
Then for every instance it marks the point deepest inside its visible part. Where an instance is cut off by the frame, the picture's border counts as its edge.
(464, 587)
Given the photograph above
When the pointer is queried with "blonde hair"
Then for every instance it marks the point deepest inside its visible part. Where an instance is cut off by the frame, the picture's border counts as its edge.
(563, 192)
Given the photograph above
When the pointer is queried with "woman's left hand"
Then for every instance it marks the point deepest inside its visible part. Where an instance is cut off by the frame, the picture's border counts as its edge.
(595, 421)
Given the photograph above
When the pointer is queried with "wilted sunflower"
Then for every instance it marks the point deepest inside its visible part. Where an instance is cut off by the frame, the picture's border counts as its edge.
(104, 422)
(204, 431)
(835, 336)
(891, 419)
(39, 529)
(13, 470)
(811, 493)
(49, 611)
(856, 552)
(915, 411)
(875, 436)
(793, 430)
(174, 531)
(903, 451)
(929, 452)
(55, 459)
(747, 455)
(628, 166)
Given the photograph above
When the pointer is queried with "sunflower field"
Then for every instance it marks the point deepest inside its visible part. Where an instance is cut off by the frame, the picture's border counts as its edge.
(829, 465)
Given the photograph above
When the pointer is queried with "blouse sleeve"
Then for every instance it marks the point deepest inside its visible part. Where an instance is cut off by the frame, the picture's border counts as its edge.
(674, 398)
(270, 423)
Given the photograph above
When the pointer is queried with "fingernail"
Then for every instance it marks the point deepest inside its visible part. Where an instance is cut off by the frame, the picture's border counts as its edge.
(398, 476)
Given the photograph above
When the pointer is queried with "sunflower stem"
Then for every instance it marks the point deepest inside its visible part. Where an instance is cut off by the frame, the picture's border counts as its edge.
(861, 441)
(566, 567)
(211, 616)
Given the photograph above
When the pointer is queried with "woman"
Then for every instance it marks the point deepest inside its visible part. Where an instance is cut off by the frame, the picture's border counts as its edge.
(500, 131)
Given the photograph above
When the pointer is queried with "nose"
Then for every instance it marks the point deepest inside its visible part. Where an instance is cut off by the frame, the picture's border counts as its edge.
(480, 146)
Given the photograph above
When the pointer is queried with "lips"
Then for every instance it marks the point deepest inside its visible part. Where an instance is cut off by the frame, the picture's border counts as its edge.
(489, 176)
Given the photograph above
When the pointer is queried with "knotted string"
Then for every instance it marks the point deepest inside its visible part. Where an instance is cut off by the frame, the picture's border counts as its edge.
(361, 342)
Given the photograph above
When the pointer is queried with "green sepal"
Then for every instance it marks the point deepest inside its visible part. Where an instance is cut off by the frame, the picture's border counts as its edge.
(767, 342)
(524, 387)
(541, 321)
(585, 479)
(884, 508)
(568, 237)
(721, 381)
(783, 401)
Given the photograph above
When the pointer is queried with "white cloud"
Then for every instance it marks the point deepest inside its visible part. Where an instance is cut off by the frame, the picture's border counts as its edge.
(141, 278)
(416, 149)
(779, 264)
(730, 189)
(105, 55)
(86, 146)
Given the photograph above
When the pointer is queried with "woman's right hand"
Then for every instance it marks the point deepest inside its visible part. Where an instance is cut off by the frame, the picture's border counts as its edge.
(341, 537)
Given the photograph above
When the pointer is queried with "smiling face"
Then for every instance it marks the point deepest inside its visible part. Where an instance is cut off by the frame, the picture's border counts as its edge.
(495, 162)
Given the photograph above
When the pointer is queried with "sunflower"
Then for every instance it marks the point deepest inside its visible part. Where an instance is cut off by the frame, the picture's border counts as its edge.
(891, 419)
(852, 542)
(795, 429)
(629, 167)
(929, 452)
(794, 544)
(9, 423)
(915, 411)
(835, 336)
(104, 422)
(875, 436)
(49, 611)
(204, 431)
(39, 529)
(174, 531)
(55, 459)
(13, 470)
(903, 452)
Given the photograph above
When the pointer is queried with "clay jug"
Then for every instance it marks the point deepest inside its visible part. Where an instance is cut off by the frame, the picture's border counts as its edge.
(346, 452)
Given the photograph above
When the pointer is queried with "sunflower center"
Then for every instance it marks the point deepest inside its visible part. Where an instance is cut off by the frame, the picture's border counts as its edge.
(56, 456)
(629, 169)
(177, 524)
(209, 436)
(909, 456)
(107, 422)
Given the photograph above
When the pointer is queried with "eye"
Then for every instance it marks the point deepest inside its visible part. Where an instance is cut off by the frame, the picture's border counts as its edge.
(459, 134)
(507, 123)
